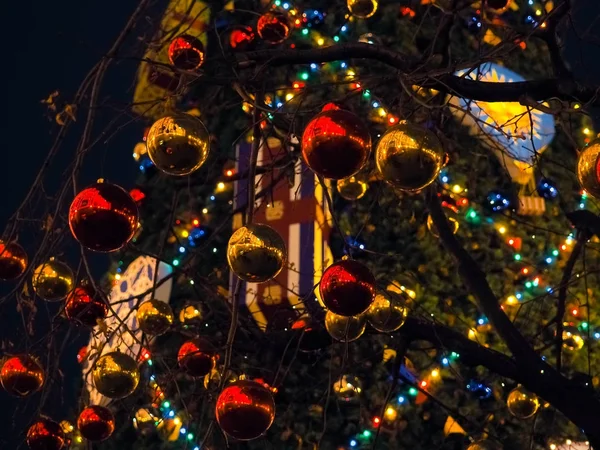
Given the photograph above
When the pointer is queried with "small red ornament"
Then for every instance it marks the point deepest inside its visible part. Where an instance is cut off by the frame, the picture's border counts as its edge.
(103, 217)
(347, 288)
(45, 434)
(241, 37)
(82, 354)
(13, 261)
(21, 375)
(273, 27)
(85, 307)
(96, 423)
(186, 52)
(245, 409)
(336, 143)
(196, 357)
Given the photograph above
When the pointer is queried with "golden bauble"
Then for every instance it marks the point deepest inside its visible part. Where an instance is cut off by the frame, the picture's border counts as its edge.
(409, 157)
(245, 409)
(352, 188)
(144, 421)
(155, 317)
(116, 375)
(451, 216)
(572, 339)
(497, 6)
(178, 144)
(53, 280)
(347, 388)
(485, 444)
(386, 313)
(191, 315)
(21, 375)
(588, 168)
(256, 253)
(13, 261)
(522, 404)
(345, 328)
(363, 9)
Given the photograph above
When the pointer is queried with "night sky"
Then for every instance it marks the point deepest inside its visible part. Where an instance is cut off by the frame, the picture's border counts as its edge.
(50, 46)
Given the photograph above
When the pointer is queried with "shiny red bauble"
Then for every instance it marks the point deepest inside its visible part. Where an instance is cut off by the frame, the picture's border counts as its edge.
(13, 260)
(85, 307)
(186, 52)
(196, 357)
(347, 288)
(336, 143)
(273, 27)
(45, 434)
(96, 423)
(241, 37)
(21, 375)
(103, 217)
(245, 409)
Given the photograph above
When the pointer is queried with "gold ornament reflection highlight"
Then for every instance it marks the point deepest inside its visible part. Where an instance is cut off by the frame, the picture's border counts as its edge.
(386, 314)
(53, 280)
(522, 404)
(116, 375)
(409, 157)
(345, 329)
(178, 144)
(256, 253)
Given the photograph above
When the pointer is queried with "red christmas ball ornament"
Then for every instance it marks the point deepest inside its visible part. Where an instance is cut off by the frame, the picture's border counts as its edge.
(245, 409)
(13, 261)
(336, 143)
(273, 27)
(347, 288)
(186, 52)
(45, 434)
(85, 307)
(96, 423)
(241, 37)
(103, 217)
(21, 375)
(196, 357)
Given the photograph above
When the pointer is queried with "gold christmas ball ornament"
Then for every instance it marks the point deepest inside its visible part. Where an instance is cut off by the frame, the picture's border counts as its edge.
(46, 434)
(245, 409)
(409, 157)
(352, 188)
(178, 144)
(21, 375)
(347, 388)
(53, 280)
(191, 315)
(345, 328)
(451, 215)
(155, 317)
(588, 168)
(572, 338)
(497, 6)
(13, 261)
(362, 9)
(336, 143)
(387, 313)
(116, 375)
(144, 421)
(485, 444)
(256, 253)
(522, 404)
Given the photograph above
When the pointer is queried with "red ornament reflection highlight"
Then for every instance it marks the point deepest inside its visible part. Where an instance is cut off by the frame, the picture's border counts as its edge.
(241, 37)
(21, 375)
(336, 144)
(13, 260)
(196, 357)
(45, 434)
(245, 410)
(96, 423)
(103, 217)
(273, 27)
(85, 307)
(186, 52)
(347, 288)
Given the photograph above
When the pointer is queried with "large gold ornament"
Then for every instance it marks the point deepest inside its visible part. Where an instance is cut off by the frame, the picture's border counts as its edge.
(522, 404)
(363, 9)
(347, 388)
(345, 328)
(53, 280)
(245, 409)
(13, 261)
(485, 444)
(155, 317)
(588, 168)
(256, 253)
(116, 375)
(387, 313)
(352, 188)
(178, 144)
(21, 375)
(409, 157)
